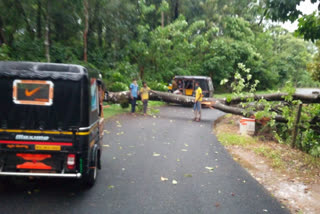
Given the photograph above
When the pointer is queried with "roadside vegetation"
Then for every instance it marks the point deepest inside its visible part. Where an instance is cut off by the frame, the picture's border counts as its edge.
(290, 175)
(265, 145)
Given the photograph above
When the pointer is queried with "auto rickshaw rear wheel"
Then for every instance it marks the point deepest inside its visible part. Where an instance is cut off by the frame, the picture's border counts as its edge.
(89, 179)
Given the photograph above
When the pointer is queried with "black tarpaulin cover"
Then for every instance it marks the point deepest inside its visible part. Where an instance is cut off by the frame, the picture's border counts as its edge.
(65, 111)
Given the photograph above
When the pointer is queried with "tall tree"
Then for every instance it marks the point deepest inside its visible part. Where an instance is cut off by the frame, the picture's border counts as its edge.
(39, 20)
(47, 32)
(85, 31)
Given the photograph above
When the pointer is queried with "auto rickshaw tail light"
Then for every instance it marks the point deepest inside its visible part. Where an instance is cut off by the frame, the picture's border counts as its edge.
(71, 161)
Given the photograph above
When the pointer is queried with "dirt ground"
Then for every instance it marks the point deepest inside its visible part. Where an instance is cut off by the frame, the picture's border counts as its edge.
(290, 175)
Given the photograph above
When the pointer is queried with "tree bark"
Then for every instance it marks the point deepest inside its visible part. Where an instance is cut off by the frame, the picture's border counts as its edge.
(176, 9)
(141, 73)
(2, 36)
(20, 10)
(47, 33)
(296, 125)
(85, 32)
(99, 32)
(162, 19)
(39, 22)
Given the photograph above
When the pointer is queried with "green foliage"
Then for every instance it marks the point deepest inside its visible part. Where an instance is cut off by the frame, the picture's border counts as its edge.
(118, 86)
(314, 67)
(308, 140)
(158, 86)
(309, 27)
(311, 142)
(283, 10)
(4, 52)
(204, 37)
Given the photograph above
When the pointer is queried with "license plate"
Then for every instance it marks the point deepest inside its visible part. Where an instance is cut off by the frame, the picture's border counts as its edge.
(48, 147)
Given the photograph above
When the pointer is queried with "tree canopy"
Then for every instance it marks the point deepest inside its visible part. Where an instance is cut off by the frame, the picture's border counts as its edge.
(155, 40)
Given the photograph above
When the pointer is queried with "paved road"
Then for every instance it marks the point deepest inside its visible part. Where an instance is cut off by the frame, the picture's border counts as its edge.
(307, 91)
(137, 152)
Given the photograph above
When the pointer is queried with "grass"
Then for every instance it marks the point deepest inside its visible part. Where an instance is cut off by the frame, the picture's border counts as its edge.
(273, 155)
(116, 109)
(113, 110)
(229, 139)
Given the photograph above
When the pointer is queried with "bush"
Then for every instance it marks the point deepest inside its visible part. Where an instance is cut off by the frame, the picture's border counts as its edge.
(4, 52)
(311, 142)
(117, 77)
(157, 86)
(118, 86)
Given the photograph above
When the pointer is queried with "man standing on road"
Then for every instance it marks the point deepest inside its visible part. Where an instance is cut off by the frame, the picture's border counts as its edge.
(133, 95)
(197, 103)
(144, 93)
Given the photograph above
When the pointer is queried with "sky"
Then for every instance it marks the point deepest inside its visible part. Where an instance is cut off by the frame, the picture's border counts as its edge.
(307, 8)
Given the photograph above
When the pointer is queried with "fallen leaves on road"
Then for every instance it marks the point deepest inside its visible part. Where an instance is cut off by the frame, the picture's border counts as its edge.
(210, 168)
(155, 154)
(184, 150)
(186, 145)
(106, 145)
(163, 178)
(110, 187)
(174, 182)
(187, 175)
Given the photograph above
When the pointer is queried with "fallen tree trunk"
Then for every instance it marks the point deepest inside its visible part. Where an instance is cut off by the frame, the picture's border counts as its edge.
(123, 97)
(307, 99)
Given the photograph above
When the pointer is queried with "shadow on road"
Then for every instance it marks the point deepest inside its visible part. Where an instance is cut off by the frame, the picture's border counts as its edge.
(57, 186)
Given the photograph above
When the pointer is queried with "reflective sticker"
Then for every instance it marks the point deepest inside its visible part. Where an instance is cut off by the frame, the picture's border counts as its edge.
(12, 146)
(32, 92)
(47, 147)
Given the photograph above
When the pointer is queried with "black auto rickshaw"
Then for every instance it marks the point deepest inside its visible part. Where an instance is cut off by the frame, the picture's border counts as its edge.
(51, 121)
(186, 84)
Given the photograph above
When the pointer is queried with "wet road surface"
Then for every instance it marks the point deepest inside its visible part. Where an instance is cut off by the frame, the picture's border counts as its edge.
(138, 151)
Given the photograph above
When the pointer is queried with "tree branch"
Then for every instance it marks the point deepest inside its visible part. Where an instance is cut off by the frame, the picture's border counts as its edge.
(314, 98)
